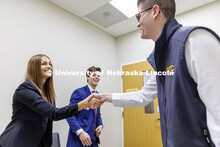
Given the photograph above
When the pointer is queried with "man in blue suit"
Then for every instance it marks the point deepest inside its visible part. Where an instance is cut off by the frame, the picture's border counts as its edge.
(85, 128)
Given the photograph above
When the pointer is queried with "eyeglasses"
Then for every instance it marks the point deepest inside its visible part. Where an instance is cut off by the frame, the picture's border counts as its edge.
(138, 16)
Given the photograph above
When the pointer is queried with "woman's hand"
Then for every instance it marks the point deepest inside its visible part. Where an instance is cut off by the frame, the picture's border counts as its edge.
(94, 103)
(89, 102)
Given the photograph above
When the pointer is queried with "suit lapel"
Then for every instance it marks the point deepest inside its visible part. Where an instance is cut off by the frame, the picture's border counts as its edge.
(87, 91)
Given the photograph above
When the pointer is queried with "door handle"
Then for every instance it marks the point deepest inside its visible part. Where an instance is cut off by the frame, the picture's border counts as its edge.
(157, 118)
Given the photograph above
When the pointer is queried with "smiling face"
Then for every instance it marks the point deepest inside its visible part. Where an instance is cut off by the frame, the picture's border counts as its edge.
(46, 68)
(150, 22)
(93, 79)
(145, 23)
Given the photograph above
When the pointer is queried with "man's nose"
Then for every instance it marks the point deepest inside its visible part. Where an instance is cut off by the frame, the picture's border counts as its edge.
(138, 25)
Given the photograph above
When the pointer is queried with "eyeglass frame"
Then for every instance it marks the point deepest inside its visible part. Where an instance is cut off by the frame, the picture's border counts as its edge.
(138, 16)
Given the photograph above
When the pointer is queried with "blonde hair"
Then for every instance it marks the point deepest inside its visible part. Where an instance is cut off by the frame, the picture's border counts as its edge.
(34, 75)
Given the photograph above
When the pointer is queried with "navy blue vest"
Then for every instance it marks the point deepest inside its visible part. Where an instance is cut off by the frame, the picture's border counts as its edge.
(182, 113)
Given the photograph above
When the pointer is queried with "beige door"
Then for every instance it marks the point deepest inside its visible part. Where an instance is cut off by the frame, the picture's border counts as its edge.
(141, 125)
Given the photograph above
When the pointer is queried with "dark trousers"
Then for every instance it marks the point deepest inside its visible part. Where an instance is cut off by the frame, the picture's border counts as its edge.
(94, 144)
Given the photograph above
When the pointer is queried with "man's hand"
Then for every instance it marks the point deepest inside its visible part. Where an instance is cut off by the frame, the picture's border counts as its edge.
(95, 106)
(94, 103)
(85, 138)
(98, 131)
(96, 100)
(105, 97)
(89, 102)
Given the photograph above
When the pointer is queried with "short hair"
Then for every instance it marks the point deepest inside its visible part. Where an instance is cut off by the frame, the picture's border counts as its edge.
(168, 7)
(92, 69)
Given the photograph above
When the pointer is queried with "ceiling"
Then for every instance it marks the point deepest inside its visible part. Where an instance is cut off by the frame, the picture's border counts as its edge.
(105, 16)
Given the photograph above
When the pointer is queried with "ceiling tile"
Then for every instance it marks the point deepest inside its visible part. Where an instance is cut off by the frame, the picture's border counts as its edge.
(93, 23)
(80, 7)
(106, 15)
(123, 27)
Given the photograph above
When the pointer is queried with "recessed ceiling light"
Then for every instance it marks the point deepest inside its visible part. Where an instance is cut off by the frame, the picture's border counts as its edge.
(128, 7)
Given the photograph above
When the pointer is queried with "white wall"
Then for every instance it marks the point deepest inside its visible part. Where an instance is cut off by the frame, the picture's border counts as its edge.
(29, 27)
(203, 16)
(131, 48)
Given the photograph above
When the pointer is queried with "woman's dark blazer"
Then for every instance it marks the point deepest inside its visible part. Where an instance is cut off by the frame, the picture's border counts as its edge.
(32, 119)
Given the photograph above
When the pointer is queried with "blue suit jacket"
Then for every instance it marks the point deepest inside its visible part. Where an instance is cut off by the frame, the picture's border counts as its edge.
(85, 120)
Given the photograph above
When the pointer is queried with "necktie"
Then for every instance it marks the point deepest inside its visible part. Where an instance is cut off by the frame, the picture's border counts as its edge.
(95, 116)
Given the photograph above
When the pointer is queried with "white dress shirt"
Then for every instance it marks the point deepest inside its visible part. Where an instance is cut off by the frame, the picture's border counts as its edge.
(202, 53)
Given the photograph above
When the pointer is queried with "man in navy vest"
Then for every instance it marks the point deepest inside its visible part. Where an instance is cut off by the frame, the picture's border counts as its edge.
(85, 128)
(189, 100)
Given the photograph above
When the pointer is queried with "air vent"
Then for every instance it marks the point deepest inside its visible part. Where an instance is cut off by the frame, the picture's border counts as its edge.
(106, 15)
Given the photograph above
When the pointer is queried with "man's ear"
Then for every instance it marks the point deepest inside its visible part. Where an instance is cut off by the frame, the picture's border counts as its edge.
(156, 11)
(87, 78)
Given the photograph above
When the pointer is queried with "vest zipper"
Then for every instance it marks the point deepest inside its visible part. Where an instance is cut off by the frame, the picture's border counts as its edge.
(165, 117)
(205, 132)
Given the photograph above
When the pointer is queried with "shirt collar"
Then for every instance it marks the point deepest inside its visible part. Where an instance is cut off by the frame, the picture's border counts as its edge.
(91, 89)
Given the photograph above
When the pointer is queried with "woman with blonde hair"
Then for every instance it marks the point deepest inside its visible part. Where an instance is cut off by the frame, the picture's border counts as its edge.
(34, 107)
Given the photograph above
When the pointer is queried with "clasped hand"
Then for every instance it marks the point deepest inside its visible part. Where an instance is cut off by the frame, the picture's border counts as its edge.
(93, 101)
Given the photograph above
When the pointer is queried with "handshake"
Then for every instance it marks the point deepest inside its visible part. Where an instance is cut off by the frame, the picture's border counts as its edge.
(94, 101)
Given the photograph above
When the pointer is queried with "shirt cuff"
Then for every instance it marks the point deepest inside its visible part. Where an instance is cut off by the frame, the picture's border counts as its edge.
(79, 131)
(100, 126)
